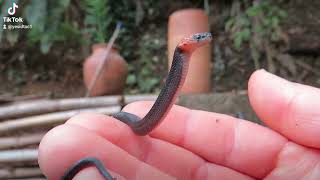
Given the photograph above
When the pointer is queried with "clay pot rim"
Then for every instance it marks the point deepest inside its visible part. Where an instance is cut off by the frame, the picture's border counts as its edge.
(193, 10)
(97, 46)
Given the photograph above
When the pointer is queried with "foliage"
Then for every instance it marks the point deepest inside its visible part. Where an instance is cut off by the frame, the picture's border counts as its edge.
(258, 25)
(140, 48)
(145, 78)
(51, 23)
(97, 19)
(242, 26)
(62, 22)
(47, 25)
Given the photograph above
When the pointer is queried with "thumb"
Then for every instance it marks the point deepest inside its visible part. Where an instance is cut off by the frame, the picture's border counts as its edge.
(291, 109)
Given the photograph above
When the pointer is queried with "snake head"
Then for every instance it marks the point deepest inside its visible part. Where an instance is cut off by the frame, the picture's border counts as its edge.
(195, 41)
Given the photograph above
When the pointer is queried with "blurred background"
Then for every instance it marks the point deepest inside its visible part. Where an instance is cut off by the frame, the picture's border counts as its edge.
(280, 36)
(47, 65)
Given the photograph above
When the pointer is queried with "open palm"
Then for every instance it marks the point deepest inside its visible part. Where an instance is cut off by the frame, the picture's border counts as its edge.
(192, 144)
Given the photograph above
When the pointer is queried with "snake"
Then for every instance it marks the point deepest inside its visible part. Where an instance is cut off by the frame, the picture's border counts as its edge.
(162, 105)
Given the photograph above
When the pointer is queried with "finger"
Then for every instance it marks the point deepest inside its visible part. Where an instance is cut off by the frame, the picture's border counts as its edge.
(218, 138)
(168, 158)
(66, 144)
(289, 108)
(296, 162)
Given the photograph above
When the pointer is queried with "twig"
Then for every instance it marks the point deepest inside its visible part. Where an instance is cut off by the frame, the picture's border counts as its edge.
(24, 155)
(19, 164)
(20, 173)
(133, 98)
(139, 12)
(33, 178)
(37, 107)
(104, 60)
(11, 98)
(14, 142)
(270, 57)
(46, 106)
(5, 98)
(307, 67)
(206, 7)
(50, 119)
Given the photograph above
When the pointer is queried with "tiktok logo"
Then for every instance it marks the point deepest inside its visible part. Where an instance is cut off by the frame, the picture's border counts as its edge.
(12, 22)
(12, 10)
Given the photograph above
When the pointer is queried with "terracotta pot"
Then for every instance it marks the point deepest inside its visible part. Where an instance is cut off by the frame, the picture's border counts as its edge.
(184, 23)
(113, 76)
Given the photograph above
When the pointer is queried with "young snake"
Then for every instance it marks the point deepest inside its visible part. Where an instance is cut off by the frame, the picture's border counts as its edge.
(162, 105)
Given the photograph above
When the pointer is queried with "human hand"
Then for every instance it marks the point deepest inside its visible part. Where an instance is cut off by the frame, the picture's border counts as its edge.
(192, 144)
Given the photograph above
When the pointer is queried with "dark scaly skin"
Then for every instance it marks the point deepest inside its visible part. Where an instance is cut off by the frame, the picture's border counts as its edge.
(85, 162)
(160, 108)
(163, 103)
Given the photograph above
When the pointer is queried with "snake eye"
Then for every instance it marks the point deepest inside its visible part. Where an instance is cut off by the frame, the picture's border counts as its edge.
(201, 36)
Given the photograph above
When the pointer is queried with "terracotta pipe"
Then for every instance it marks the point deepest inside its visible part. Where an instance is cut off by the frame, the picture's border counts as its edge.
(184, 23)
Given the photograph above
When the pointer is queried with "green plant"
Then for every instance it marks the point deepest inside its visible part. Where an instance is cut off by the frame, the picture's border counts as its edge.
(258, 25)
(145, 78)
(97, 19)
(51, 23)
(48, 23)
(48, 20)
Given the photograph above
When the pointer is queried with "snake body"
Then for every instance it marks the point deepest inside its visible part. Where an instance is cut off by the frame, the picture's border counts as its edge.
(162, 105)
(164, 101)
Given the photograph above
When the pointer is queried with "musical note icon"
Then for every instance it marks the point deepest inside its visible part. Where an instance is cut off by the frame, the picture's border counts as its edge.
(12, 10)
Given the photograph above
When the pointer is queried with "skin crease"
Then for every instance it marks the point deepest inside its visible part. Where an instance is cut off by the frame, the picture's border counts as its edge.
(192, 144)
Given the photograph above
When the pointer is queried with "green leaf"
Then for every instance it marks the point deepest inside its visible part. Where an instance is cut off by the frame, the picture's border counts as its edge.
(148, 84)
(131, 79)
(253, 11)
(237, 42)
(90, 20)
(67, 31)
(145, 72)
(97, 16)
(47, 22)
(64, 3)
(283, 13)
(275, 21)
(244, 35)
(88, 30)
(229, 24)
(258, 29)
(243, 21)
(240, 37)
(34, 35)
(266, 22)
(45, 44)
(35, 13)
